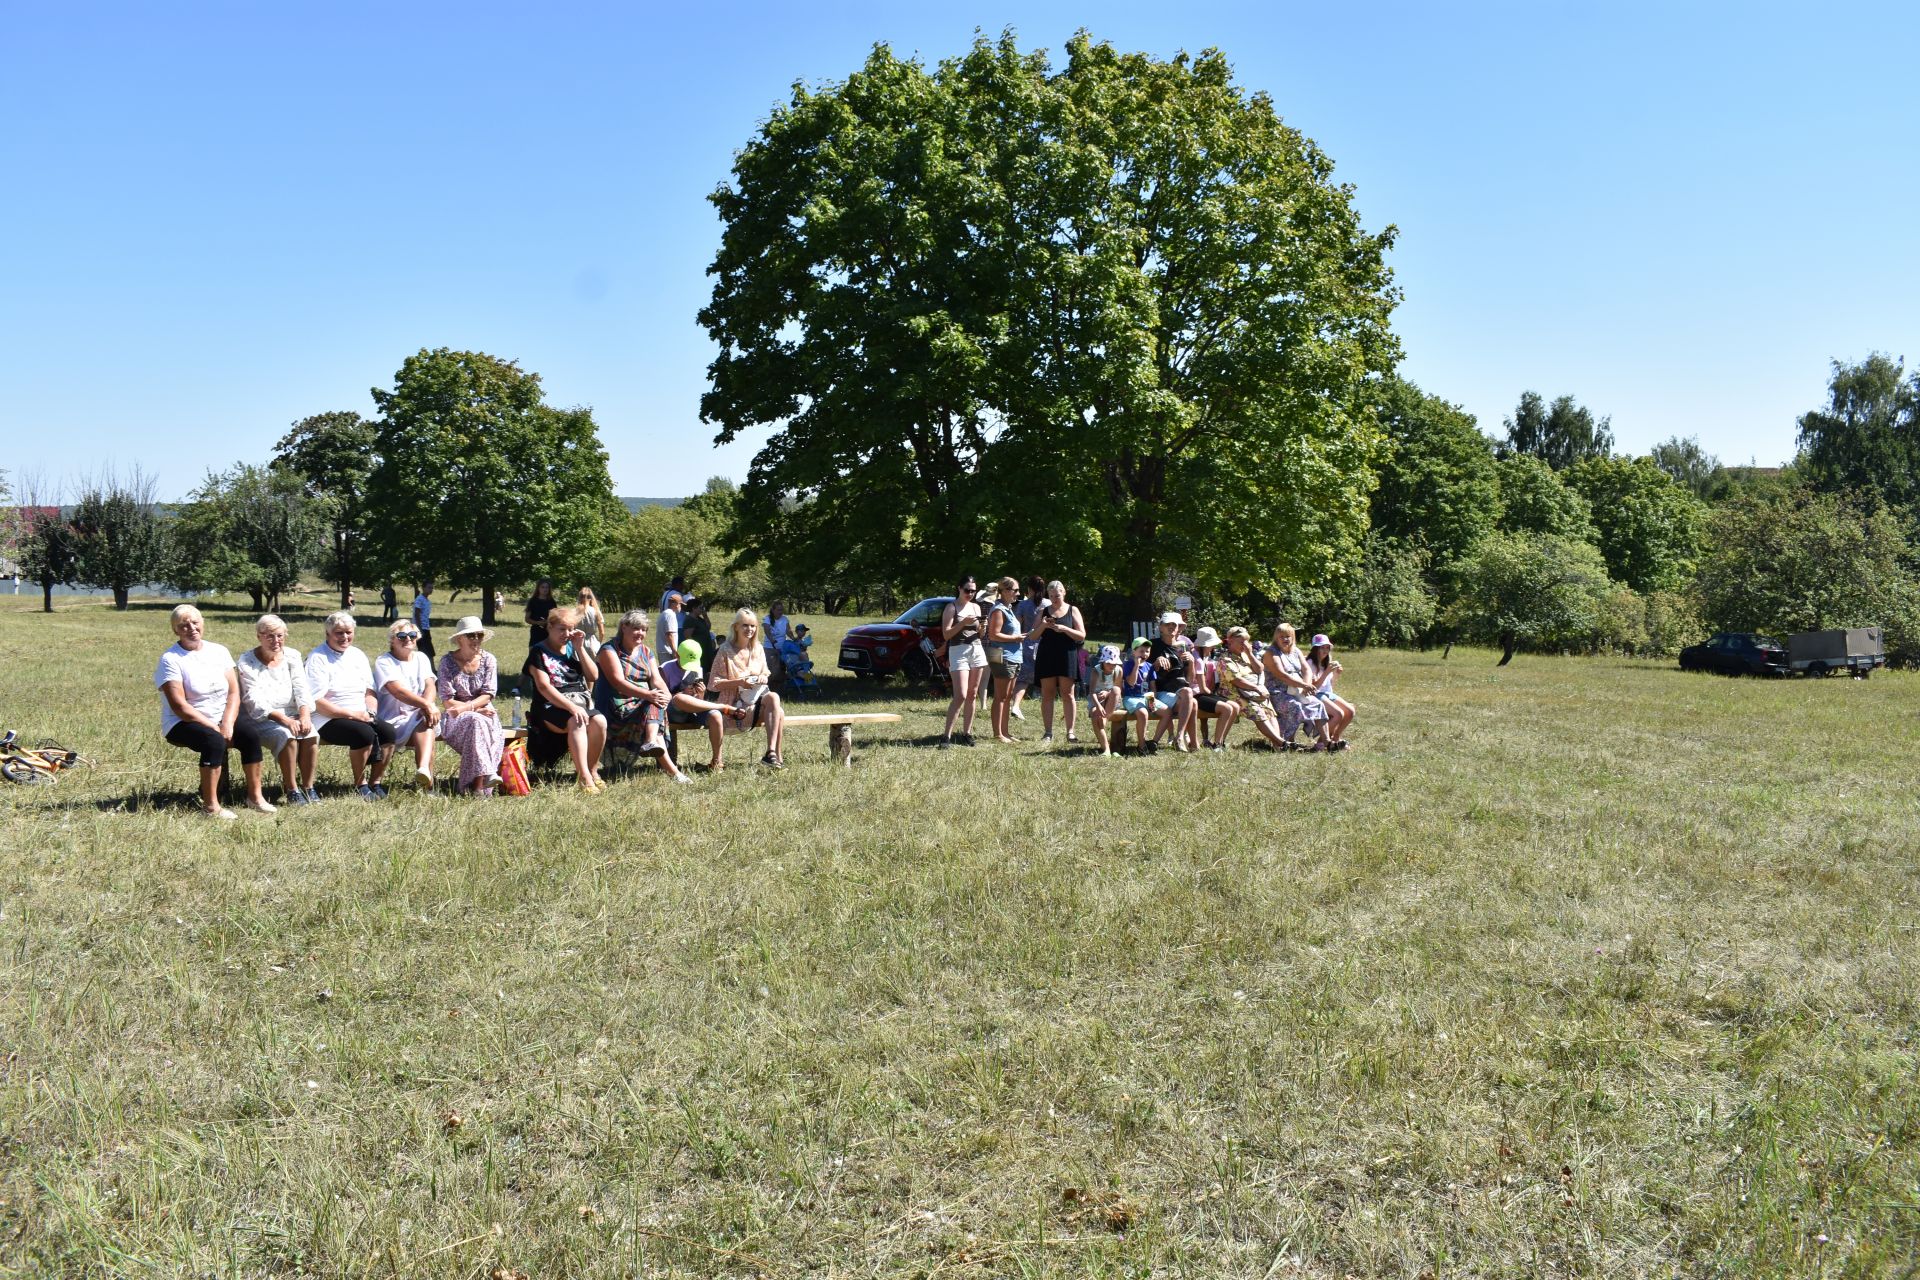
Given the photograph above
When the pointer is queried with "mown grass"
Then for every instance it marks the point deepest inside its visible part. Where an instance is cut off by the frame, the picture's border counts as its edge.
(1576, 967)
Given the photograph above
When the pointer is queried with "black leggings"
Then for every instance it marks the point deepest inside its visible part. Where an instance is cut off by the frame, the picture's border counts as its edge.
(357, 734)
(212, 747)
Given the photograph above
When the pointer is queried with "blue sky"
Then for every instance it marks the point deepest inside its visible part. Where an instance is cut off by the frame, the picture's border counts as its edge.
(221, 218)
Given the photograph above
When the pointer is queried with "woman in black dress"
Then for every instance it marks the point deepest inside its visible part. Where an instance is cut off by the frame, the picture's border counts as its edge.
(1062, 633)
(537, 610)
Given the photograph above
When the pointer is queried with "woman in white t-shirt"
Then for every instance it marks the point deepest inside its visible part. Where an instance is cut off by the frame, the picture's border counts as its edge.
(340, 682)
(408, 696)
(200, 710)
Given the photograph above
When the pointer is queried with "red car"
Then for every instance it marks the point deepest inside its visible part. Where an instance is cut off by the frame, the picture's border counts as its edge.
(878, 649)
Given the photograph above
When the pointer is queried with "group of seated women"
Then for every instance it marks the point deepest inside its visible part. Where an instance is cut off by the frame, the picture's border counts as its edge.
(272, 703)
(1170, 682)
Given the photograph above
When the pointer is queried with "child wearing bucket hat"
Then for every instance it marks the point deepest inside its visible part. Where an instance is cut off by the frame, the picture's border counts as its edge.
(1137, 694)
(1103, 695)
(1321, 670)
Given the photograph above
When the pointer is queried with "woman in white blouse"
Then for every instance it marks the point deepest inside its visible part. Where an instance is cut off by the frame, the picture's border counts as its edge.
(273, 695)
(409, 696)
(340, 682)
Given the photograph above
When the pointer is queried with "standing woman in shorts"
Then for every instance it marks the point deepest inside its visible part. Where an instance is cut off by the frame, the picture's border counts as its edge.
(1005, 639)
(1028, 611)
(962, 628)
(1061, 633)
(200, 710)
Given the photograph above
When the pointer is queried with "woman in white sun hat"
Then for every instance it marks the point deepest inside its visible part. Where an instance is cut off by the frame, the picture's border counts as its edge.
(469, 682)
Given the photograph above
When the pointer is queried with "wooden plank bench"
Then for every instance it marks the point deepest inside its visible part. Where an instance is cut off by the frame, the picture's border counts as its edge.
(840, 728)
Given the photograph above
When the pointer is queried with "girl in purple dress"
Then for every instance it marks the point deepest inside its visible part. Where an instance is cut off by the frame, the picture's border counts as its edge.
(469, 679)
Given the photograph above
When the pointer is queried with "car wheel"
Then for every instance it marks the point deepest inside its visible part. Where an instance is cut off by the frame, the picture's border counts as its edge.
(1817, 669)
(917, 666)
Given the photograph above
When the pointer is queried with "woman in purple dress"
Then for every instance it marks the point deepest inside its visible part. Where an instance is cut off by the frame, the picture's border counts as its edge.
(469, 679)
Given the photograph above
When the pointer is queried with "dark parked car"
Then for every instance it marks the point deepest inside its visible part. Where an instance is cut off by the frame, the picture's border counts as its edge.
(1737, 653)
(881, 648)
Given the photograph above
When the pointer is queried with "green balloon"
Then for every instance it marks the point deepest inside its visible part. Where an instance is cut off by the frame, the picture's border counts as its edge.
(689, 652)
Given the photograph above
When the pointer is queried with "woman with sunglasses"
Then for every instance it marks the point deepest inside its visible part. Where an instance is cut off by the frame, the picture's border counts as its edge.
(409, 696)
(340, 682)
(960, 627)
(740, 678)
(631, 692)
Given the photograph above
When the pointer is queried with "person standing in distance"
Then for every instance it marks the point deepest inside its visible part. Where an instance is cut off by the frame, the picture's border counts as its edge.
(423, 619)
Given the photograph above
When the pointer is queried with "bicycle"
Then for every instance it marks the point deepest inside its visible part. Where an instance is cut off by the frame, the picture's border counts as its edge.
(41, 763)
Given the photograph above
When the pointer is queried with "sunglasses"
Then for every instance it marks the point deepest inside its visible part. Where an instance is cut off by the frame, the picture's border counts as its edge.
(406, 635)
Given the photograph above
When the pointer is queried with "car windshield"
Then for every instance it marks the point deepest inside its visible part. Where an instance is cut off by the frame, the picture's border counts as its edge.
(924, 614)
(1768, 642)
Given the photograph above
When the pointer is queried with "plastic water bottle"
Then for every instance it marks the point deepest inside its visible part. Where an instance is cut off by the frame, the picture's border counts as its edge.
(516, 710)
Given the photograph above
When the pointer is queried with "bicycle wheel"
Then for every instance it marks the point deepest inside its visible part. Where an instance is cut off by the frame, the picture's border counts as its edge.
(22, 772)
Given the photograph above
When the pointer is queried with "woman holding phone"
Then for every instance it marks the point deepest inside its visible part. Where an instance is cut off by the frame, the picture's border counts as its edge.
(740, 678)
(961, 628)
(1061, 632)
(561, 677)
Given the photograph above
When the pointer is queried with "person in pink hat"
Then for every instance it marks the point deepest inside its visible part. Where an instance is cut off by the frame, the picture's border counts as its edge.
(1322, 669)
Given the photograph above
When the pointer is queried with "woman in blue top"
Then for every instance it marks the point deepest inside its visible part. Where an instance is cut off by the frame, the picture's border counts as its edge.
(1006, 638)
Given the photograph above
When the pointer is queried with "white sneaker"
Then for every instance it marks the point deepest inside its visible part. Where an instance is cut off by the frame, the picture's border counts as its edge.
(224, 814)
(1016, 713)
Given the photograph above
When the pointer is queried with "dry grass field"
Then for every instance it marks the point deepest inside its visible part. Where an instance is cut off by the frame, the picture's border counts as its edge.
(1572, 968)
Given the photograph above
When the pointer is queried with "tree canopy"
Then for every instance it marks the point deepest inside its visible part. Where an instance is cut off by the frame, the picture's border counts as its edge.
(333, 454)
(479, 482)
(1559, 434)
(1867, 439)
(1647, 525)
(1439, 486)
(116, 539)
(1532, 588)
(1119, 311)
(247, 529)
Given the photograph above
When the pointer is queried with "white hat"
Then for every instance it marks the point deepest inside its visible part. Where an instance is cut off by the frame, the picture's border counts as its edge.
(1174, 618)
(1208, 638)
(471, 626)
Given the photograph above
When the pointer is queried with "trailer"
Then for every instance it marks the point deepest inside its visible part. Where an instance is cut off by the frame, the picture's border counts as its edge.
(1854, 650)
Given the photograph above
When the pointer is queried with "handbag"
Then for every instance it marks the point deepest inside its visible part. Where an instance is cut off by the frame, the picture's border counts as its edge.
(513, 769)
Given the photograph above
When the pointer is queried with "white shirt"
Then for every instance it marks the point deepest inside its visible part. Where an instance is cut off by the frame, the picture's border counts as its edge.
(202, 676)
(411, 675)
(667, 634)
(341, 678)
(281, 688)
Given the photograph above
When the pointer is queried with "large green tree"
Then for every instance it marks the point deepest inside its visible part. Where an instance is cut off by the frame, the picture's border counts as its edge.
(46, 545)
(1867, 439)
(479, 483)
(333, 454)
(1806, 560)
(1559, 434)
(1115, 315)
(117, 542)
(1535, 499)
(1536, 589)
(1692, 466)
(248, 529)
(1647, 524)
(1439, 485)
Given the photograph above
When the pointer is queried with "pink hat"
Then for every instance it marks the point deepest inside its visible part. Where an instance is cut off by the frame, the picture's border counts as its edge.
(1320, 640)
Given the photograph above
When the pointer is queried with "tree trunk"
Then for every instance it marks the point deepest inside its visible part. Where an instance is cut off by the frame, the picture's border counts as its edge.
(259, 601)
(120, 598)
(486, 606)
(1508, 641)
(1140, 598)
(46, 596)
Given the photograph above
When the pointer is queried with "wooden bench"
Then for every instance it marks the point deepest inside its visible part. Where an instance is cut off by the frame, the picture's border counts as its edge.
(840, 728)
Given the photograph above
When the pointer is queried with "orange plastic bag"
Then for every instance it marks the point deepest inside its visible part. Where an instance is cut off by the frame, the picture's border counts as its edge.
(513, 769)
